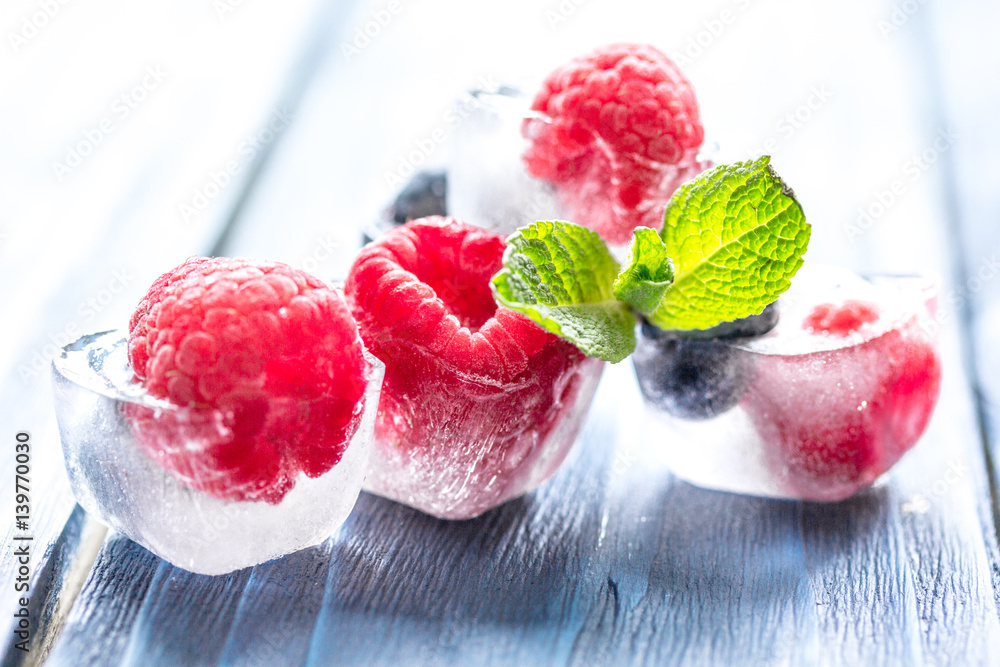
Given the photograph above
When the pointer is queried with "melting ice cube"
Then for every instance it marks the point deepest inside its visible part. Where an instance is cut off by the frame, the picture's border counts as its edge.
(808, 410)
(488, 185)
(116, 481)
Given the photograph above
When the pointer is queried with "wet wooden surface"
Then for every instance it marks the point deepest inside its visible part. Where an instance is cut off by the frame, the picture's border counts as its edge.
(614, 561)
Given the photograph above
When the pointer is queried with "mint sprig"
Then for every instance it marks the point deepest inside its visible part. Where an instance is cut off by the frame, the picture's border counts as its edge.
(732, 239)
(736, 236)
(648, 272)
(559, 274)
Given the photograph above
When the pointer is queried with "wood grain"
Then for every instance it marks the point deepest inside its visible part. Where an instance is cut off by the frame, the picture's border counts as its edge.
(112, 599)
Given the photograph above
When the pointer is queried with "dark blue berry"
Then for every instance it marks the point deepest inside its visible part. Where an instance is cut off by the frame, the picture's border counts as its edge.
(745, 327)
(694, 379)
(698, 375)
(424, 195)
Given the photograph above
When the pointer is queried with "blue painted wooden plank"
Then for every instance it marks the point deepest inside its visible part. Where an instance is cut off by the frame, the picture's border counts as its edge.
(962, 101)
(949, 543)
(863, 584)
(65, 561)
(278, 610)
(98, 628)
(502, 588)
(184, 618)
(958, 102)
(700, 576)
(637, 568)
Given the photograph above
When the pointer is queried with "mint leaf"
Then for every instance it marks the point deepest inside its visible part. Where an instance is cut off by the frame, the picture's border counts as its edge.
(649, 271)
(736, 236)
(560, 274)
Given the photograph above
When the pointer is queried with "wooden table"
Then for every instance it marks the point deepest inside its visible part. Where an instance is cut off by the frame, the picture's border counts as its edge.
(881, 115)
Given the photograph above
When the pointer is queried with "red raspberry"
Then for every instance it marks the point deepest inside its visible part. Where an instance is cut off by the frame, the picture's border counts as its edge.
(475, 400)
(834, 421)
(620, 132)
(266, 362)
(843, 319)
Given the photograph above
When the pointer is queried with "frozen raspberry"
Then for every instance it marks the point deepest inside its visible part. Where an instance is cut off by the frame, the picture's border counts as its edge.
(834, 421)
(842, 319)
(475, 398)
(266, 365)
(619, 132)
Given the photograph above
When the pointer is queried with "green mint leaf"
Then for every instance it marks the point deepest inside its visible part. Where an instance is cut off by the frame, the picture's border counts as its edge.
(736, 236)
(648, 273)
(560, 274)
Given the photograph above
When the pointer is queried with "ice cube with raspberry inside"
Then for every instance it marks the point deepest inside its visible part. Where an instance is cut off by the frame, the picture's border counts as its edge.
(615, 131)
(234, 423)
(835, 419)
(479, 404)
(271, 351)
(829, 400)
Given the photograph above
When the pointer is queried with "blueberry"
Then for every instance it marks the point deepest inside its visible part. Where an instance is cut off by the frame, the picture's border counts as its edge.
(698, 375)
(424, 195)
(694, 379)
(745, 327)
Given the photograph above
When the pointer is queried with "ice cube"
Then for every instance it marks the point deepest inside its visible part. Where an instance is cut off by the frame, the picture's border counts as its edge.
(804, 411)
(455, 447)
(115, 480)
(479, 403)
(488, 185)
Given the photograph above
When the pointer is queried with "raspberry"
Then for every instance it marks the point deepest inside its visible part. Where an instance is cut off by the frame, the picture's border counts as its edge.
(834, 421)
(620, 132)
(265, 366)
(843, 319)
(473, 393)
(427, 285)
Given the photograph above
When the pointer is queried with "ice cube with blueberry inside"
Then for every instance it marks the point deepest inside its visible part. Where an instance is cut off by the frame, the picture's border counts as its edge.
(817, 407)
(234, 422)
(479, 404)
